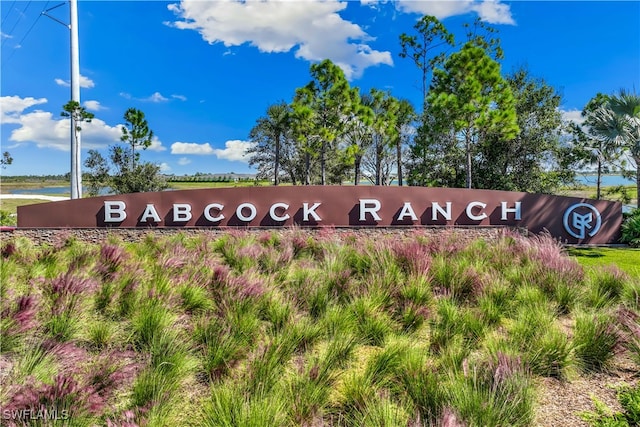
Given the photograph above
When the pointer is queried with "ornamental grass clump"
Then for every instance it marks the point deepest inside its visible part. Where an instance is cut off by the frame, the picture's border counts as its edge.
(497, 392)
(16, 319)
(64, 295)
(606, 286)
(595, 341)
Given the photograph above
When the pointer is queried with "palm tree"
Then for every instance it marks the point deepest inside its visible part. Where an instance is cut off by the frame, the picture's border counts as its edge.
(271, 129)
(619, 123)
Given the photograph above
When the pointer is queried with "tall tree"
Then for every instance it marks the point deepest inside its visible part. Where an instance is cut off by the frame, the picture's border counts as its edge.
(472, 93)
(425, 48)
(600, 150)
(97, 177)
(619, 123)
(358, 137)
(136, 133)
(130, 175)
(79, 114)
(327, 101)
(536, 159)
(405, 116)
(269, 134)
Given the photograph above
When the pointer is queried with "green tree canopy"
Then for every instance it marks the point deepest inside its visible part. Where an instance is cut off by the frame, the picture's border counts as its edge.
(470, 93)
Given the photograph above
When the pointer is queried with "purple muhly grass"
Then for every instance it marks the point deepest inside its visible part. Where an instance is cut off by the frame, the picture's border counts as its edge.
(299, 243)
(111, 258)
(503, 369)
(445, 243)
(413, 256)
(8, 249)
(65, 394)
(22, 314)
(177, 258)
(251, 251)
(450, 419)
(550, 256)
(127, 419)
(69, 356)
(630, 322)
(64, 292)
(246, 286)
(221, 274)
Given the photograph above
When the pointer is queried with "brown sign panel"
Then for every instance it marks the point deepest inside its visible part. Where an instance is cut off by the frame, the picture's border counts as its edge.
(573, 220)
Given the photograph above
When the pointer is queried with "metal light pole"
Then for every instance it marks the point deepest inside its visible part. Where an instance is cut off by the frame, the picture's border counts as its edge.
(76, 171)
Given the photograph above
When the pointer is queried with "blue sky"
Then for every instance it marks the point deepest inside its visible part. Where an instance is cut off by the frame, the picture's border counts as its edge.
(204, 71)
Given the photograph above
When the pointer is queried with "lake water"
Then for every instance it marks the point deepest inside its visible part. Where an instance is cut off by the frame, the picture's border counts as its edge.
(607, 180)
(50, 190)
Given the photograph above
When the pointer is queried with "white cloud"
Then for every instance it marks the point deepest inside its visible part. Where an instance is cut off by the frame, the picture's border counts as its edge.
(156, 97)
(5, 36)
(164, 167)
(11, 107)
(314, 29)
(180, 97)
(183, 161)
(491, 11)
(85, 82)
(191, 148)
(573, 115)
(48, 131)
(156, 145)
(94, 106)
(41, 128)
(235, 151)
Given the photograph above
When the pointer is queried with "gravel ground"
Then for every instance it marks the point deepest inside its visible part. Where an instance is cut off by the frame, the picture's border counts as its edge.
(561, 402)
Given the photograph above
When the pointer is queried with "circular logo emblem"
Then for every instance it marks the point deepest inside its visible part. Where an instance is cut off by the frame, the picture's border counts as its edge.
(582, 220)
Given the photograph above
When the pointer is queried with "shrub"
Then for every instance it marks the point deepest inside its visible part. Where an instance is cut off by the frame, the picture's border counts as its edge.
(631, 229)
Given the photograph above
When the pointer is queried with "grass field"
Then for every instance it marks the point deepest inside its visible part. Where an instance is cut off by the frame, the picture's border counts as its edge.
(626, 259)
(289, 329)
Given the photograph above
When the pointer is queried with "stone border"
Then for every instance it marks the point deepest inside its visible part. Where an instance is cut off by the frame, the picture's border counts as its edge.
(53, 236)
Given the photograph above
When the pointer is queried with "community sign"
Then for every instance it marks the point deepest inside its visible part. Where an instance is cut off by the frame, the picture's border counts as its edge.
(570, 219)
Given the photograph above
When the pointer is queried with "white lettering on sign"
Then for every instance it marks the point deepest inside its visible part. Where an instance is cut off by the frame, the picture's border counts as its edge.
(306, 211)
(181, 212)
(274, 216)
(407, 210)
(150, 212)
(242, 217)
(207, 212)
(369, 206)
(515, 210)
(437, 209)
(470, 213)
(114, 211)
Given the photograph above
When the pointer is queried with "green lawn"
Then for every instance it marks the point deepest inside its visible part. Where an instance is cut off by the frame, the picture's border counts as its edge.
(626, 259)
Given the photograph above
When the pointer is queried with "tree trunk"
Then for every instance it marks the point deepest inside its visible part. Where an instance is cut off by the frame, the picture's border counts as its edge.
(637, 160)
(467, 138)
(323, 150)
(307, 167)
(378, 163)
(399, 155)
(277, 162)
(356, 163)
(599, 179)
